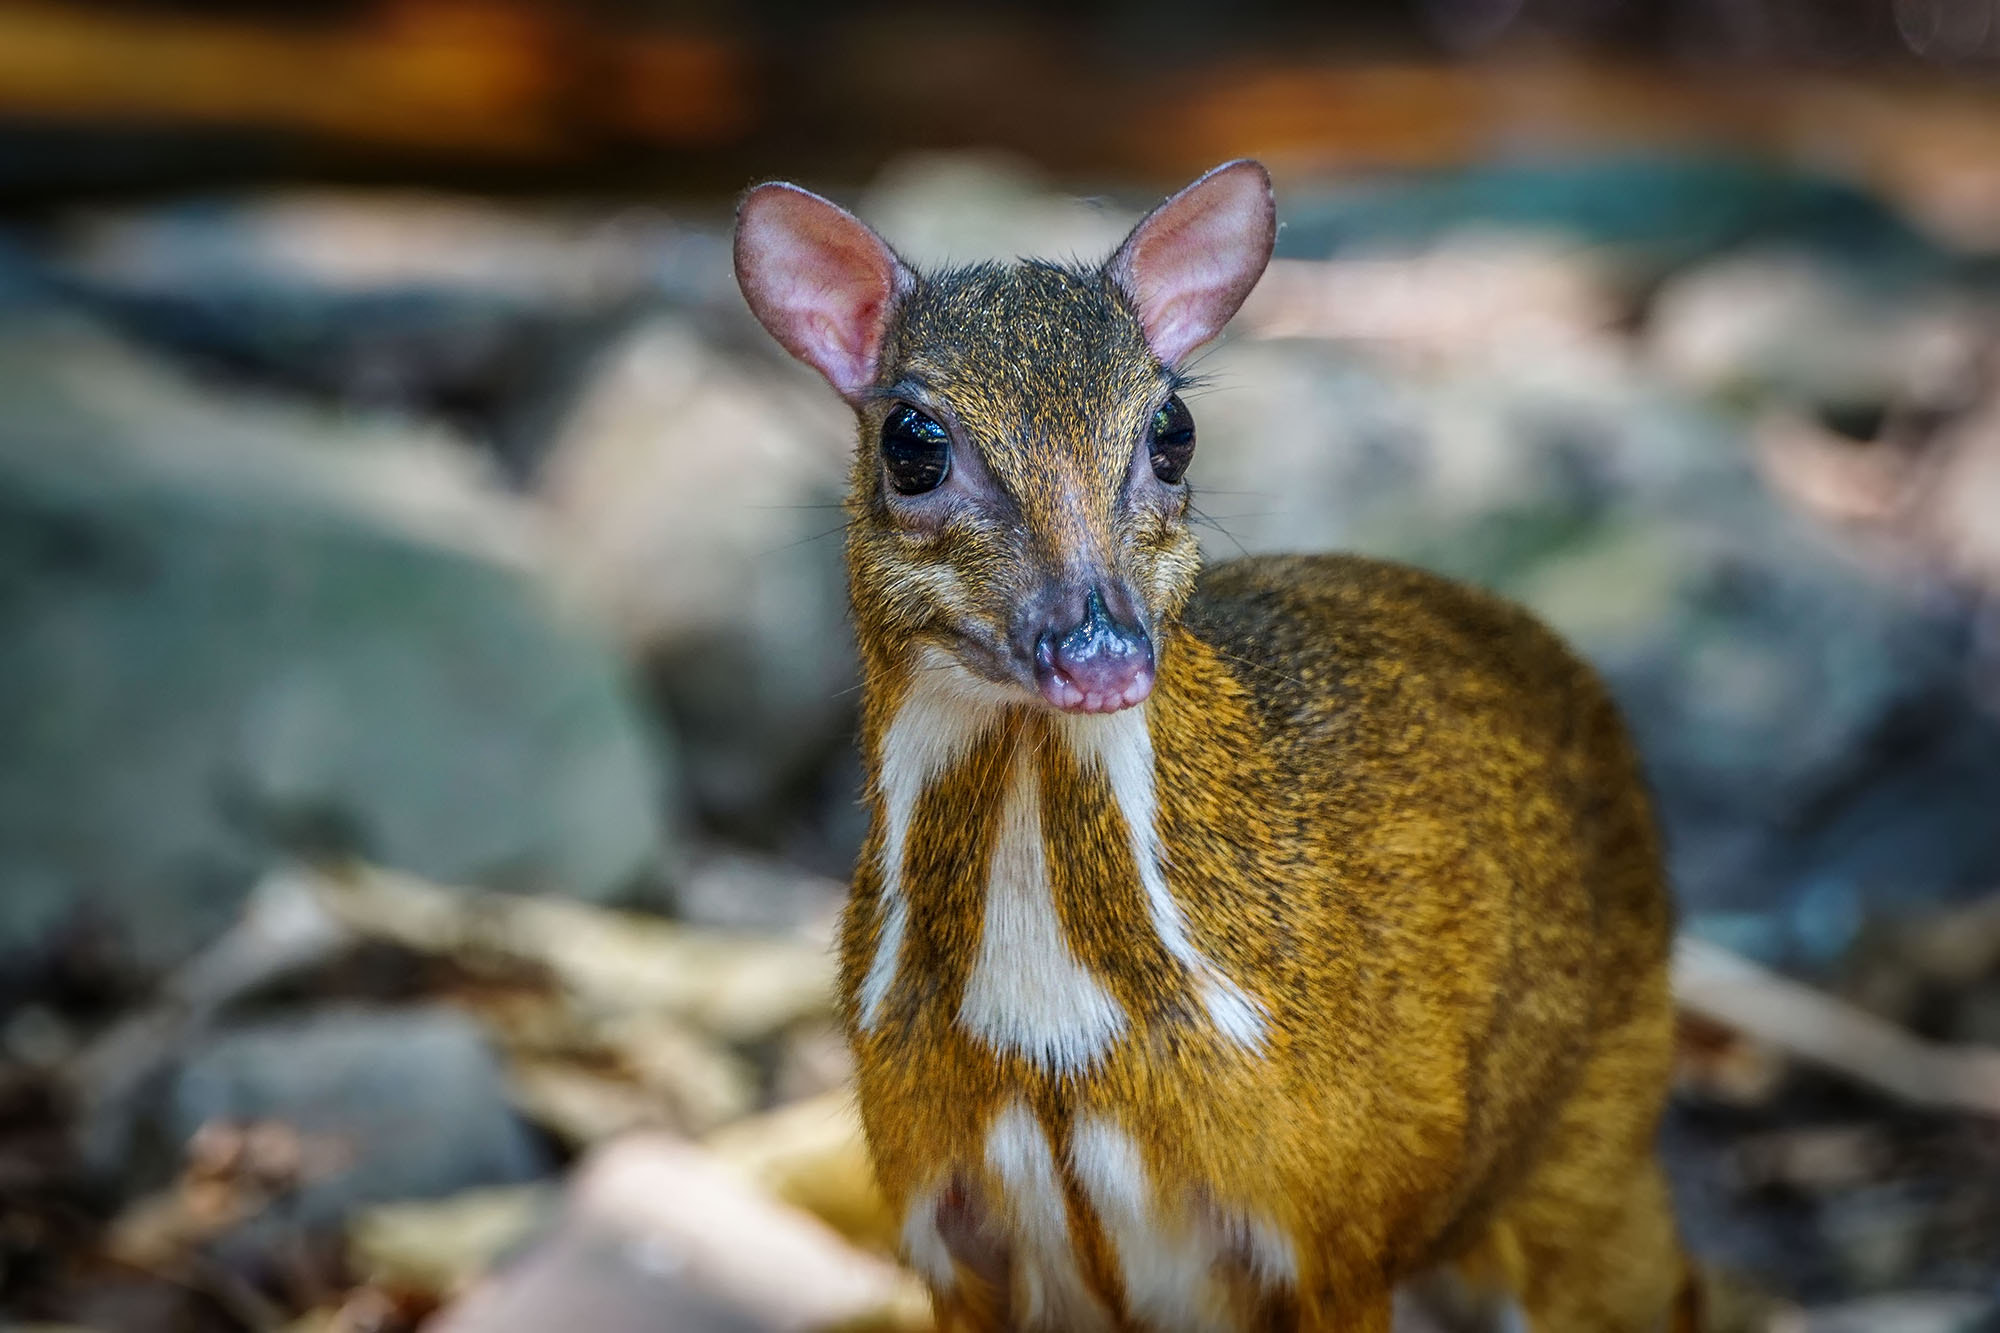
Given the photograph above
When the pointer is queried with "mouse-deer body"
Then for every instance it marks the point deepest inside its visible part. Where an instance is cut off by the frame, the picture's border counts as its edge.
(1226, 948)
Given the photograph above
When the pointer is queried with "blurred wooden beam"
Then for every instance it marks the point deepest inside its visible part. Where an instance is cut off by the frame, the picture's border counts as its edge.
(1931, 140)
(1726, 989)
(540, 87)
(468, 76)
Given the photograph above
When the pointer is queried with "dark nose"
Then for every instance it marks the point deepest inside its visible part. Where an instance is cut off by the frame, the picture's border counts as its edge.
(1098, 665)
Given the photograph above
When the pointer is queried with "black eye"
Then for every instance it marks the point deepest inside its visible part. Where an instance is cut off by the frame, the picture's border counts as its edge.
(1171, 440)
(916, 450)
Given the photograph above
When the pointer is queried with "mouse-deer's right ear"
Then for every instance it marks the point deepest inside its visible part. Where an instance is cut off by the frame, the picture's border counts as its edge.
(823, 283)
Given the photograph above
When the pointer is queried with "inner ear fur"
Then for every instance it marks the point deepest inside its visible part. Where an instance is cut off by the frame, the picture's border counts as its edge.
(823, 283)
(1190, 263)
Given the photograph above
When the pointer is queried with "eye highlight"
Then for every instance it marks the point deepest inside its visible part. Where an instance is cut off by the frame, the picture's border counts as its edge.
(1171, 440)
(916, 451)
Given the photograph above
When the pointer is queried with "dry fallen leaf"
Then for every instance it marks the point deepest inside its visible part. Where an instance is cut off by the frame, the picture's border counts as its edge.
(441, 1246)
(736, 987)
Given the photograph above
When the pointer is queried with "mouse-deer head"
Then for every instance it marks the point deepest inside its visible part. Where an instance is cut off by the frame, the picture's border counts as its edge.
(1018, 503)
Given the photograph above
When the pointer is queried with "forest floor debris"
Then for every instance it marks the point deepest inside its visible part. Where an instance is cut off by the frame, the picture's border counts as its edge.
(682, 1178)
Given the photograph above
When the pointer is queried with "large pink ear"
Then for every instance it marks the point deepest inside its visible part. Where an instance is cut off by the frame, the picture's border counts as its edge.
(821, 281)
(1188, 265)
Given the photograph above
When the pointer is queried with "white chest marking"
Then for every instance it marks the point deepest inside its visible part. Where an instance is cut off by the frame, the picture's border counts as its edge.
(923, 1244)
(1168, 1261)
(947, 711)
(1167, 1277)
(1028, 993)
(1122, 748)
(1273, 1260)
(1049, 1291)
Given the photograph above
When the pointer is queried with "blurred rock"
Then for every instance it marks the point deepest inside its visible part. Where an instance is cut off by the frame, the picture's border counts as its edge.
(811, 1154)
(811, 1058)
(1810, 331)
(1474, 297)
(1878, 1236)
(488, 365)
(476, 312)
(693, 500)
(411, 1101)
(24, 280)
(1930, 971)
(730, 890)
(1819, 1160)
(230, 630)
(282, 932)
(605, 1284)
(1953, 508)
(1806, 718)
(965, 208)
(658, 1234)
(1904, 1312)
(372, 242)
(1978, 1016)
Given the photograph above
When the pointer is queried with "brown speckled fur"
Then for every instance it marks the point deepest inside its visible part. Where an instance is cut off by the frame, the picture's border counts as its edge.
(1396, 811)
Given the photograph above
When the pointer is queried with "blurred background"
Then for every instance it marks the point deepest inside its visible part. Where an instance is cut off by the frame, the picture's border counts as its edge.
(426, 698)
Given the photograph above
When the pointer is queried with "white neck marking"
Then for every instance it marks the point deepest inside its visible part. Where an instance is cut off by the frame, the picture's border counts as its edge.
(947, 711)
(1028, 993)
(1120, 746)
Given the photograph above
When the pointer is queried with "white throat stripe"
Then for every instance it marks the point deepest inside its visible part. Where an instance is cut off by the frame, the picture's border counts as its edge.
(1028, 993)
(1120, 746)
(946, 713)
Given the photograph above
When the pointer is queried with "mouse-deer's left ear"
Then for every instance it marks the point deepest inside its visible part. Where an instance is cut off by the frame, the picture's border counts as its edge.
(820, 280)
(1190, 262)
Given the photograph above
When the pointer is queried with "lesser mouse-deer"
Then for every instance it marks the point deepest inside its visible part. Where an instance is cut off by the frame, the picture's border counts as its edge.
(1228, 946)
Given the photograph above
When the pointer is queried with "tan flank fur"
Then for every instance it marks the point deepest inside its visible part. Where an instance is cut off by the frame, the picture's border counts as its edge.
(1229, 947)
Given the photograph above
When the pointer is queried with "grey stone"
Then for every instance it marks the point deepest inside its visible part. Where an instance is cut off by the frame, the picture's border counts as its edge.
(409, 1103)
(1878, 1236)
(1978, 1016)
(234, 631)
(1791, 326)
(1905, 1312)
(693, 499)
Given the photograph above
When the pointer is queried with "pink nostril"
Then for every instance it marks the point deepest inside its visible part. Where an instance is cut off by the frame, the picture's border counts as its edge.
(1098, 666)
